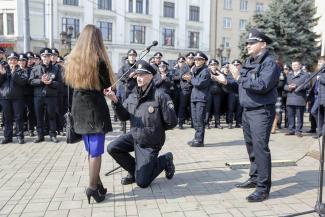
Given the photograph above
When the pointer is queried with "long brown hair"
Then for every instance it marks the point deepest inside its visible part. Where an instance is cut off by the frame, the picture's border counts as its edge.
(81, 69)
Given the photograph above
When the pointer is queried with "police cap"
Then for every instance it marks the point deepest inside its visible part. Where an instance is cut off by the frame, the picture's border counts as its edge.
(144, 67)
(158, 55)
(164, 63)
(213, 61)
(30, 55)
(13, 55)
(23, 57)
(236, 62)
(258, 36)
(181, 59)
(45, 51)
(55, 52)
(132, 52)
(287, 67)
(37, 56)
(200, 55)
(225, 63)
(190, 55)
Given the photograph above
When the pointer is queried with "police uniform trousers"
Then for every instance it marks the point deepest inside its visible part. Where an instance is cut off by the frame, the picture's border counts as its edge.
(146, 165)
(198, 112)
(238, 111)
(318, 113)
(60, 112)
(257, 125)
(184, 103)
(13, 109)
(231, 107)
(30, 113)
(294, 111)
(45, 106)
(216, 107)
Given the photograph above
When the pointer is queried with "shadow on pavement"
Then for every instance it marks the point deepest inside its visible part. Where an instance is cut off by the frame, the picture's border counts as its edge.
(228, 143)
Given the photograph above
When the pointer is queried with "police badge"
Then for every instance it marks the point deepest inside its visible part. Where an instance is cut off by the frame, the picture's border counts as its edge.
(151, 109)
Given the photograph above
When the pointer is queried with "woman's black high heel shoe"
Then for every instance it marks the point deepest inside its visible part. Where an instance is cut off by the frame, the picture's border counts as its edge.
(101, 189)
(95, 194)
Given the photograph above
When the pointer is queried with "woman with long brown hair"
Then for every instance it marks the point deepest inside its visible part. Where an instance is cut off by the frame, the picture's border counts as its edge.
(88, 71)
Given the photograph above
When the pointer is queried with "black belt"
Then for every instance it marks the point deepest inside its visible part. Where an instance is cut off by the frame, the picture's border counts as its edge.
(259, 107)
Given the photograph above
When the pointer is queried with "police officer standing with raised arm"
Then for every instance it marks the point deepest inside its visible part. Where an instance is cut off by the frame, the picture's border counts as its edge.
(257, 84)
(151, 112)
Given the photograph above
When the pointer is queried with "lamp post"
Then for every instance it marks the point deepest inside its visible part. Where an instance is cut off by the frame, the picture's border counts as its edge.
(66, 37)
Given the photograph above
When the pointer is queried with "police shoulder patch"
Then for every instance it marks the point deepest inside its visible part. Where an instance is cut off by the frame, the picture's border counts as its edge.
(170, 104)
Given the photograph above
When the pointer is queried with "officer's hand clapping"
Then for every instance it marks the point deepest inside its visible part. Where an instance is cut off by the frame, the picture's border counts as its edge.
(2, 70)
(46, 79)
(163, 76)
(234, 71)
(187, 77)
(219, 78)
(110, 94)
(132, 75)
(292, 86)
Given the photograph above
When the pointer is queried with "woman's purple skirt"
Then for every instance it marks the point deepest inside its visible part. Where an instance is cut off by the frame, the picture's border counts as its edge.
(94, 144)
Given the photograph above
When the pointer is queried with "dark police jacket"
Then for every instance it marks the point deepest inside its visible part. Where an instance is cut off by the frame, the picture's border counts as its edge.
(186, 86)
(40, 89)
(130, 83)
(12, 84)
(299, 98)
(321, 95)
(215, 87)
(29, 89)
(150, 113)
(89, 108)
(201, 83)
(164, 85)
(258, 81)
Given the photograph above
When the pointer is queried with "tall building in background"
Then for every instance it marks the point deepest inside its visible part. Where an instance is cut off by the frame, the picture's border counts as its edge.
(179, 26)
(228, 20)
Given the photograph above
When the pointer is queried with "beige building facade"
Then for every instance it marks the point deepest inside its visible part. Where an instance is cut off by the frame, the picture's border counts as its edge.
(228, 20)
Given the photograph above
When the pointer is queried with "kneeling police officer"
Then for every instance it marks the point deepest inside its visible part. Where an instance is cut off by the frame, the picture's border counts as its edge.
(151, 112)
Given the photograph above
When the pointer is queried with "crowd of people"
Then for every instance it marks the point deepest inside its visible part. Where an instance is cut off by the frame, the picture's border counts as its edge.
(258, 94)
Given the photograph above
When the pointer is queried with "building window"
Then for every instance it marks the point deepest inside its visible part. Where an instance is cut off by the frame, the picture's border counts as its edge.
(106, 29)
(1, 25)
(169, 37)
(226, 42)
(10, 24)
(138, 34)
(259, 7)
(139, 6)
(194, 39)
(147, 6)
(242, 24)
(67, 22)
(194, 13)
(227, 4)
(105, 4)
(226, 23)
(71, 2)
(130, 6)
(169, 9)
(243, 5)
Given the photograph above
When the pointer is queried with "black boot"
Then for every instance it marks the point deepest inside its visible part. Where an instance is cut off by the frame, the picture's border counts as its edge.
(129, 179)
(39, 139)
(170, 167)
(6, 141)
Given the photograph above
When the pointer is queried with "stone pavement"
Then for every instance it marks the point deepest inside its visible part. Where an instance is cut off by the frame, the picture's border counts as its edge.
(48, 179)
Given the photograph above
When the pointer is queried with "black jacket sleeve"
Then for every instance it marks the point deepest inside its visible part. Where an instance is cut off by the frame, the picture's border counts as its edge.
(168, 112)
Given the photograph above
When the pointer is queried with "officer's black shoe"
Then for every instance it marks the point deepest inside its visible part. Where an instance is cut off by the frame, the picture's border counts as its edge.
(299, 134)
(39, 139)
(197, 144)
(180, 126)
(54, 139)
(290, 134)
(21, 141)
(31, 133)
(218, 126)
(208, 126)
(311, 131)
(229, 126)
(129, 179)
(247, 184)
(257, 196)
(190, 142)
(238, 126)
(170, 167)
(6, 141)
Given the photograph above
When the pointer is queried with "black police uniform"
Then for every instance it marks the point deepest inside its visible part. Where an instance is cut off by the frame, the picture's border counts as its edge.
(155, 65)
(201, 83)
(150, 112)
(12, 100)
(184, 110)
(164, 85)
(257, 94)
(45, 96)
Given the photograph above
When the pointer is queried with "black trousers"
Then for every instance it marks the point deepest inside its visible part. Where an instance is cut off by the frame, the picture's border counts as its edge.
(13, 109)
(30, 112)
(146, 165)
(198, 112)
(184, 104)
(48, 106)
(257, 126)
(293, 112)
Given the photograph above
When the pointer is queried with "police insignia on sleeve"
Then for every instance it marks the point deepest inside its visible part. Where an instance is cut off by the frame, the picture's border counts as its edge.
(151, 109)
(170, 104)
